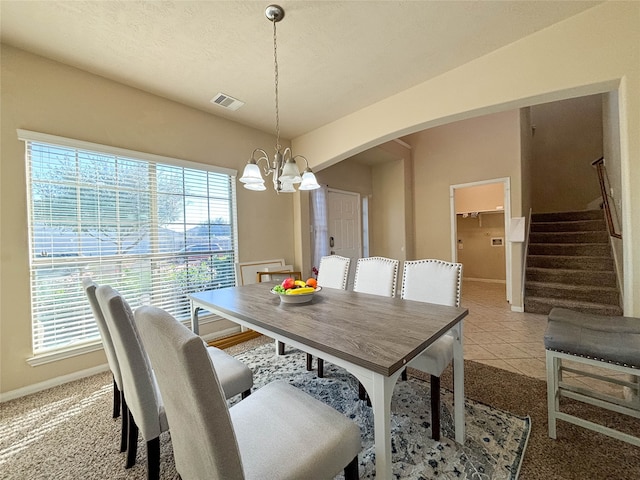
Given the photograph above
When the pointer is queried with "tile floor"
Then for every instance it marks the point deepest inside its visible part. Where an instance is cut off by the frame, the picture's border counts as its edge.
(496, 336)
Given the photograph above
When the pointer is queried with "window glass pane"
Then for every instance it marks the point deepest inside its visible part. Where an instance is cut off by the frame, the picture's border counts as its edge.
(154, 232)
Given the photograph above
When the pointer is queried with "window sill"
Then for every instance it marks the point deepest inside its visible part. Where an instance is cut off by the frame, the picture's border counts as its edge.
(50, 357)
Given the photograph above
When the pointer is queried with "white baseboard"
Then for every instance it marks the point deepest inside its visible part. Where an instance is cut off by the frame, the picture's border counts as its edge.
(53, 382)
(514, 308)
(221, 333)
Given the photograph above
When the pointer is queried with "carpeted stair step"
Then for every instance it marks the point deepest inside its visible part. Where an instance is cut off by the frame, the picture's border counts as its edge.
(544, 306)
(581, 293)
(570, 262)
(576, 226)
(570, 249)
(568, 216)
(569, 237)
(575, 277)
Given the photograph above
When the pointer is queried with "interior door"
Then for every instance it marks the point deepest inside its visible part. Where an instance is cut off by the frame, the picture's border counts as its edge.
(345, 231)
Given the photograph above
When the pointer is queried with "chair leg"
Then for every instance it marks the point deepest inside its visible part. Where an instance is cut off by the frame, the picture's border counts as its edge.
(435, 408)
(132, 443)
(280, 347)
(153, 459)
(362, 393)
(245, 394)
(125, 423)
(309, 362)
(351, 470)
(320, 368)
(403, 375)
(116, 400)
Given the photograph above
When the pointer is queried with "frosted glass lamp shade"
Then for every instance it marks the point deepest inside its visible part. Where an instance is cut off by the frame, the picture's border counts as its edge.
(287, 188)
(290, 173)
(309, 181)
(257, 187)
(251, 174)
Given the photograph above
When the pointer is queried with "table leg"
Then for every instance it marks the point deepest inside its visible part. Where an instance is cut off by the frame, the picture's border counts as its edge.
(195, 326)
(381, 405)
(458, 384)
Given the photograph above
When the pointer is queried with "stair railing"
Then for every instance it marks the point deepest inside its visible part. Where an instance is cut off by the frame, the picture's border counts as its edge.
(603, 180)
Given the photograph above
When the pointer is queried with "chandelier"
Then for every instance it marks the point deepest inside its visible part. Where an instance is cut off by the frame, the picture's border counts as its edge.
(283, 167)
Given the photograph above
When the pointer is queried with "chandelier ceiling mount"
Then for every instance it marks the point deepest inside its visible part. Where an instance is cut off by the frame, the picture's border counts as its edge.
(283, 167)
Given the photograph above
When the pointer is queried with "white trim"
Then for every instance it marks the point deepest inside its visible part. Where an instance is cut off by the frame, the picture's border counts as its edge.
(28, 135)
(53, 382)
(517, 309)
(403, 143)
(56, 356)
(70, 352)
(71, 377)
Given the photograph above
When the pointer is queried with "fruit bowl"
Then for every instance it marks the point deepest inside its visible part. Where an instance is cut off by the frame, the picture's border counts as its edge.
(300, 298)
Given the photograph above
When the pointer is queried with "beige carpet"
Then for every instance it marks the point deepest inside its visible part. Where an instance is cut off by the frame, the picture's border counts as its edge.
(70, 434)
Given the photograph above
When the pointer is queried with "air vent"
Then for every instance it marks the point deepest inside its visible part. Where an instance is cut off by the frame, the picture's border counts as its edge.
(226, 101)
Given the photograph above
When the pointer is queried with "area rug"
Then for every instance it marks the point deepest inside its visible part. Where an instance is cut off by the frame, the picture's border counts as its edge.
(67, 432)
(495, 440)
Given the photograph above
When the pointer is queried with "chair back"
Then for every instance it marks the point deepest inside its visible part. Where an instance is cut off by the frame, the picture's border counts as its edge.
(333, 272)
(137, 376)
(204, 443)
(432, 281)
(376, 275)
(107, 343)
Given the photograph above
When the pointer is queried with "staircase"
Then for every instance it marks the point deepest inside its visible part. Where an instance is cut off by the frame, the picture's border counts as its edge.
(569, 264)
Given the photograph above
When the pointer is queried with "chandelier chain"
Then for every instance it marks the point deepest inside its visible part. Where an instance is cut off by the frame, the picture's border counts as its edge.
(275, 64)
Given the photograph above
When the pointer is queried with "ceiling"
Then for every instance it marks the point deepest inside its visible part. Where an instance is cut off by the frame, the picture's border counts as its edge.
(335, 57)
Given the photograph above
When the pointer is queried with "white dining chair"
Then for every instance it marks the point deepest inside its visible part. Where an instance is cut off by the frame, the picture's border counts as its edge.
(119, 403)
(266, 436)
(333, 272)
(145, 406)
(440, 282)
(377, 276)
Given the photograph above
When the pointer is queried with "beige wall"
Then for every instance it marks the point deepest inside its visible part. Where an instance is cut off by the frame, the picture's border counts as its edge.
(348, 176)
(476, 149)
(45, 96)
(567, 138)
(566, 60)
(387, 208)
(480, 259)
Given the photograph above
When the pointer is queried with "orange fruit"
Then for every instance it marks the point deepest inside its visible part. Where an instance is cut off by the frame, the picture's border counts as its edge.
(312, 282)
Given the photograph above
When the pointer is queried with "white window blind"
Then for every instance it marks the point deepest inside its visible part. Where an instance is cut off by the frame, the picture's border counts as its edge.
(155, 231)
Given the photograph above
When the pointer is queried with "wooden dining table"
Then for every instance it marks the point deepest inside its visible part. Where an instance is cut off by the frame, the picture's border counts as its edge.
(370, 336)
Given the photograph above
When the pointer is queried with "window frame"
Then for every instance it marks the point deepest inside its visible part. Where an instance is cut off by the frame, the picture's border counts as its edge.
(27, 136)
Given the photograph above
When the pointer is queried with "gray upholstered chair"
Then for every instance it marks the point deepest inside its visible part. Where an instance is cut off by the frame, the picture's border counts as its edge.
(112, 360)
(600, 347)
(333, 272)
(440, 282)
(377, 276)
(146, 409)
(266, 436)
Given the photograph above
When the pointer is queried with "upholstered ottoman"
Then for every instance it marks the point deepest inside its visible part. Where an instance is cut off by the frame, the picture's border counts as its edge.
(603, 341)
